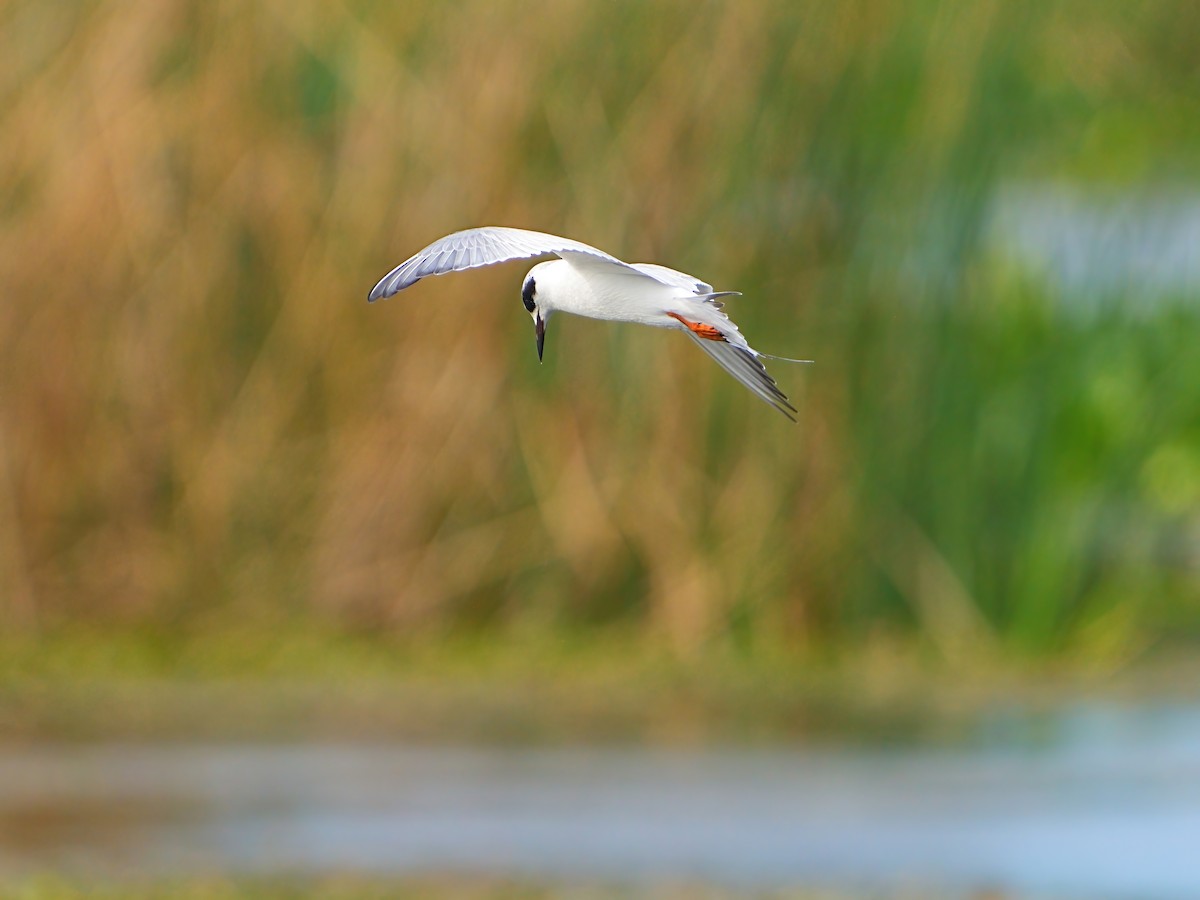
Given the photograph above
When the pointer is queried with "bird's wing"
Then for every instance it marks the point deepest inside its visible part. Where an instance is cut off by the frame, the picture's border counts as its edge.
(730, 351)
(673, 278)
(743, 363)
(485, 246)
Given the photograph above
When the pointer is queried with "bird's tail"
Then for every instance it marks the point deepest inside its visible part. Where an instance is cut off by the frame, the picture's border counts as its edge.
(714, 297)
(784, 358)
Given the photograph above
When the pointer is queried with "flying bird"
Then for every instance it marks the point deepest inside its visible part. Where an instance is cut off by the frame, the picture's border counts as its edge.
(589, 282)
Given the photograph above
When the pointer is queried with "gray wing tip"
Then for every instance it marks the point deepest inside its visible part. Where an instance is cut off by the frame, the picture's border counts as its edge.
(747, 369)
(780, 401)
(390, 285)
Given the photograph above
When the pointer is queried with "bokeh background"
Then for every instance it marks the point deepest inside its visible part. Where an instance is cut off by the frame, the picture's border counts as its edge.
(204, 425)
(217, 461)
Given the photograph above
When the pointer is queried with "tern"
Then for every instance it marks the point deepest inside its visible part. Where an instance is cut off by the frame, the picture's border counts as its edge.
(589, 282)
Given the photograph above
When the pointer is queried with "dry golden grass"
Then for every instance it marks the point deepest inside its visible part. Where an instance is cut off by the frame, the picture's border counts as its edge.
(198, 407)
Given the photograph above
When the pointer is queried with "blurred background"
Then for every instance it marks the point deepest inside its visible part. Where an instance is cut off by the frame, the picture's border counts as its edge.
(241, 507)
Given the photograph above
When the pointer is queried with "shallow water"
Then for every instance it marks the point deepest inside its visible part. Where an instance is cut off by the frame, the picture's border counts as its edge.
(1098, 802)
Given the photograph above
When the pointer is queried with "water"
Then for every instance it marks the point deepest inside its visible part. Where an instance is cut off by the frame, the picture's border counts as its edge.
(1099, 802)
(1138, 248)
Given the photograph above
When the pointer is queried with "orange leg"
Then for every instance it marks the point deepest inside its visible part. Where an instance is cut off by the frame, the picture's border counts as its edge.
(708, 332)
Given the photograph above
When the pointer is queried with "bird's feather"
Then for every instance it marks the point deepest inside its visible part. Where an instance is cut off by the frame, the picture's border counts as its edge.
(743, 364)
(673, 278)
(486, 246)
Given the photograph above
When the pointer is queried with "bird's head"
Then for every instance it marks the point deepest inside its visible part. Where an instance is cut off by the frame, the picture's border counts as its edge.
(537, 308)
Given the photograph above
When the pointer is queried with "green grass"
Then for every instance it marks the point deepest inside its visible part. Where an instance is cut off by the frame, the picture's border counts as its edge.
(315, 684)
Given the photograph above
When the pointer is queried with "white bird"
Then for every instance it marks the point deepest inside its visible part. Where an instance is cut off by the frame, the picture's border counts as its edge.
(589, 282)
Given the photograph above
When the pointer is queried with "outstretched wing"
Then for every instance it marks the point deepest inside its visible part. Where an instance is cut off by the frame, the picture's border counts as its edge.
(478, 247)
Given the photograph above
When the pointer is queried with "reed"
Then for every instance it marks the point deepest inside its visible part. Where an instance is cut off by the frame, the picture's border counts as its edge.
(202, 423)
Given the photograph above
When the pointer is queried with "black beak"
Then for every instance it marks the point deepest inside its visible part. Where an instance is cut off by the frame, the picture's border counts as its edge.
(539, 328)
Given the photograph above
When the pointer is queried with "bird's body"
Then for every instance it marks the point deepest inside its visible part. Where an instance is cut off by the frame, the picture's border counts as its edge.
(587, 282)
(569, 287)
(564, 287)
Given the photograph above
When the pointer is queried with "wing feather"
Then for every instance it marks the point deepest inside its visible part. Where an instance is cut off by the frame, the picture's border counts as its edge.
(477, 247)
(674, 278)
(743, 364)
